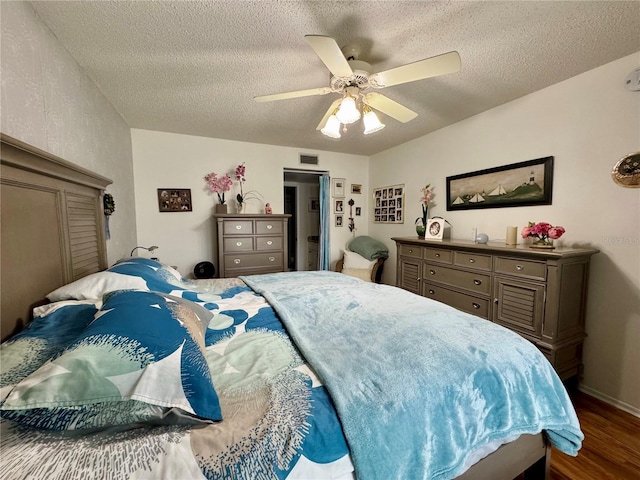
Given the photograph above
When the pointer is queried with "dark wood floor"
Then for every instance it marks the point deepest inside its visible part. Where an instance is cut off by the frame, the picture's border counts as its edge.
(611, 447)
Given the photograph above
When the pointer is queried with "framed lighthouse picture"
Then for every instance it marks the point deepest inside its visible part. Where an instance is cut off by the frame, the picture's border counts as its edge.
(514, 185)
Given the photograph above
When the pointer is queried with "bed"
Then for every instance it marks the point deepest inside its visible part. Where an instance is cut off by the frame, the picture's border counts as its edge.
(134, 372)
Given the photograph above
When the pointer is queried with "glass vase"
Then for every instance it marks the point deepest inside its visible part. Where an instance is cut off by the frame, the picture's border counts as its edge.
(543, 244)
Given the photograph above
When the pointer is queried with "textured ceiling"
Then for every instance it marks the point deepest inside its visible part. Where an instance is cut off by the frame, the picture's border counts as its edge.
(194, 67)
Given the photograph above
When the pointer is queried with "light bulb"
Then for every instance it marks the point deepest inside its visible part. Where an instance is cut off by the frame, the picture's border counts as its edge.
(332, 127)
(371, 122)
(348, 111)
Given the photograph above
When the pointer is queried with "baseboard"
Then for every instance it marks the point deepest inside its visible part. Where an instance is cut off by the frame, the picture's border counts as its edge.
(610, 400)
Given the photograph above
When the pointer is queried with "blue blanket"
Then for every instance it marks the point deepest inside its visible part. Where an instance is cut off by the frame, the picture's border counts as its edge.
(417, 384)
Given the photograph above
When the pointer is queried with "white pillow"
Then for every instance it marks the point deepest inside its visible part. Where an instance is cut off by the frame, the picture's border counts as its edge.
(95, 285)
(361, 273)
(354, 260)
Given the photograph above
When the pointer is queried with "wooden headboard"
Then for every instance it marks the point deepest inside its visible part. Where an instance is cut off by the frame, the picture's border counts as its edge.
(52, 228)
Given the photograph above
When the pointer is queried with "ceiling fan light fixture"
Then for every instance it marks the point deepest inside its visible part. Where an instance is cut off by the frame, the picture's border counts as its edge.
(348, 111)
(332, 127)
(371, 122)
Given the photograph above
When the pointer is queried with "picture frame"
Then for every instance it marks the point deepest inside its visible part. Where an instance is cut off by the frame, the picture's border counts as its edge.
(337, 187)
(339, 220)
(174, 200)
(358, 211)
(314, 204)
(338, 206)
(435, 229)
(356, 188)
(514, 185)
(388, 204)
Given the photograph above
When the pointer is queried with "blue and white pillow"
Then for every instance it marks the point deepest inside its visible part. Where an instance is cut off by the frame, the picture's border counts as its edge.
(141, 360)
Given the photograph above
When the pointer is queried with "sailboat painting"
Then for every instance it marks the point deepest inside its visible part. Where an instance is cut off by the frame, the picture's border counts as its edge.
(514, 185)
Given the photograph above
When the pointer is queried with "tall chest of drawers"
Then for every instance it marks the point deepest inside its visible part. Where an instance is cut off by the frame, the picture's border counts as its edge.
(540, 294)
(251, 244)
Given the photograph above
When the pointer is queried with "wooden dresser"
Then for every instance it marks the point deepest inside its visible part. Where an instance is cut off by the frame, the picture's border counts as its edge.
(251, 244)
(540, 294)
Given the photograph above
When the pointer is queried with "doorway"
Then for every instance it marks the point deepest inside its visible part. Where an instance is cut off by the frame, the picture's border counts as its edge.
(301, 201)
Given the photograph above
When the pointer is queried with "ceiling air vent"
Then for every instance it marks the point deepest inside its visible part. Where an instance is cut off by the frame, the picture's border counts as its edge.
(308, 159)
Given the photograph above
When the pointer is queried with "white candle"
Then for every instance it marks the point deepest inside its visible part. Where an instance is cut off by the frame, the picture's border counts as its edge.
(512, 235)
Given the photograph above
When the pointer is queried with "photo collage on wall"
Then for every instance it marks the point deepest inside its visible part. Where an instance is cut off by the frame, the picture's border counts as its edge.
(388, 204)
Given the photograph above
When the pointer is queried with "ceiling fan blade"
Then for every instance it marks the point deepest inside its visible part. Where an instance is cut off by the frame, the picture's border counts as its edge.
(330, 54)
(296, 94)
(427, 68)
(389, 107)
(333, 106)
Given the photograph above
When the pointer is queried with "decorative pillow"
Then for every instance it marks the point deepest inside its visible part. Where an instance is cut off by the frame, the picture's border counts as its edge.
(354, 260)
(141, 360)
(369, 248)
(127, 274)
(361, 273)
(53, 328)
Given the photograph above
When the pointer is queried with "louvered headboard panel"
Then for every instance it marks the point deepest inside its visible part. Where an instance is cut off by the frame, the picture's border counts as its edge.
(52, 228)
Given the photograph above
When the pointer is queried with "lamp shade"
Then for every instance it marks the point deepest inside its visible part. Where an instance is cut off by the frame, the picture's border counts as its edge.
(371, 122)
(332, 127)
(348, 111)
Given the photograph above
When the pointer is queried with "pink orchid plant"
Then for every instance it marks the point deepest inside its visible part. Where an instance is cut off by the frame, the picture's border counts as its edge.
(218, 184)
(240, 177)
(542, 231)
(426, 199)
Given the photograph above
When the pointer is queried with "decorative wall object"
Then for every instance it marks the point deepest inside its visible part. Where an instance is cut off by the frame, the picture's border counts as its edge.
(356, 188)
(337, 187)
(338, 206)
(339, 219)
(174, 199)
(514, 185)
(358, 211)
(388, 204)
(314, 204)
(627, 171)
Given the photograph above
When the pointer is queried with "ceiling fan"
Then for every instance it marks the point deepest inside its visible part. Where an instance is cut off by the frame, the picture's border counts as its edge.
(355, 81)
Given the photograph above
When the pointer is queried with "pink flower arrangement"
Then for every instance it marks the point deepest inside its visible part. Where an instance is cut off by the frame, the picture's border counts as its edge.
(218, 184)
(425, 200)
(240, 177)
(543, 231)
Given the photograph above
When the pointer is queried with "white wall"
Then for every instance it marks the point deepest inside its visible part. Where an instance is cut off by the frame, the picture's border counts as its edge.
(587, 123)
(49, 103)
(167, 160)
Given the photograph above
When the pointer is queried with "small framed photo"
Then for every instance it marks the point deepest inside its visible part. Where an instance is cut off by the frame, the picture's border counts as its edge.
(174, 200)
(356, 188)
(435, 229)
(358, 211)
(337, 185)
(314, 205)
(338, 206)
(339, 220)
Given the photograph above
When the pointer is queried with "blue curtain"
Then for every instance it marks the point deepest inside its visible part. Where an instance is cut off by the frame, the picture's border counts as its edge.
(325, 210)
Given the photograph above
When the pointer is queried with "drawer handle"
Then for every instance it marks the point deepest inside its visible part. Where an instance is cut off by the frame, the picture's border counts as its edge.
(437, 255)
(272, 259)
(238, 244)
(478, 282)
(495, 300)
(236, 261)
(432, 272)
(476, 305)
(269, 242)
(418, 279)
(410, 250)
(471, 260)
(238, 227)
(519, 267)
(432, 292)
(269, 227)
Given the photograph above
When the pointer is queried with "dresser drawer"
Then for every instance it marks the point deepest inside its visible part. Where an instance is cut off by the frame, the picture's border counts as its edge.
(238, 244)
(472, 281)
(269, 243)
(411, 251)
(438, 255)
(238, 227)
(249, 260)
(461, 301)
(522, 268)
(472, 260)
(268, 226)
